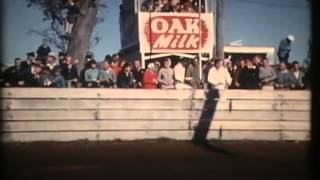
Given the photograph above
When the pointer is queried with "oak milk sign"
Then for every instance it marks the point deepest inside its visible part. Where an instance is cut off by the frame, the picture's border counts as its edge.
(176, 32)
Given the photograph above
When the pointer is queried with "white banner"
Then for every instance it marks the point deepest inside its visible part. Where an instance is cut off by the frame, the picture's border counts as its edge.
(176, 32)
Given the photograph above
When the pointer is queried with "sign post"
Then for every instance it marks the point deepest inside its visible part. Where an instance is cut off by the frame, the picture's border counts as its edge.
(176, 34)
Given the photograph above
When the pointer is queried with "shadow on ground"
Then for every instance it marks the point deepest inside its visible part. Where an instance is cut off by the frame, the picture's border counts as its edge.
(157, 159)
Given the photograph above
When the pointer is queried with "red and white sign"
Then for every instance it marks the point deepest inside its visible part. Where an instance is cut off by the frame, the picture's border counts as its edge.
(176, 32)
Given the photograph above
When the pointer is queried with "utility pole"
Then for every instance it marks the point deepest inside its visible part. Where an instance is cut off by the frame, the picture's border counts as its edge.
(219, 29)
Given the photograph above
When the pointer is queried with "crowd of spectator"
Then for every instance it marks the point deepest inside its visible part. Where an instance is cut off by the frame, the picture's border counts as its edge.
(47, 70)
(257, 73)
(172, 6)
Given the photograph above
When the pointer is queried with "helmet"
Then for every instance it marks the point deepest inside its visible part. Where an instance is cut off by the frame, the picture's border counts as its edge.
(291, 37)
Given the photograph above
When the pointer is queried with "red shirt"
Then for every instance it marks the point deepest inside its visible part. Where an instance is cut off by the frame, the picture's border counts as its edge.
(148, 80)
(116, 69)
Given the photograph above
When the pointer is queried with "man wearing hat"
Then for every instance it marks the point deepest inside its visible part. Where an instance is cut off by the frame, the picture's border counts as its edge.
(285, 48)
(30, 59)
(43, 50)
(88, 57)
(87, 66)
(25, 67)
(51, 61)
(12, 74)
(62, 56)
(30, 56)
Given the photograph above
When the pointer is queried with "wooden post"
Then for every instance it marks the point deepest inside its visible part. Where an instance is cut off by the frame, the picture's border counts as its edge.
(200, 66)
(219, 30)
(143, 60)
(200, 48)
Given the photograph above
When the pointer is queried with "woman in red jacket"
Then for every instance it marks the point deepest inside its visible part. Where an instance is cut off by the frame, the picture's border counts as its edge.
(150, 77)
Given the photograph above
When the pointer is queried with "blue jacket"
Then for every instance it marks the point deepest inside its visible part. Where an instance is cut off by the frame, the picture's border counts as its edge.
(285, 78)
(284, 48)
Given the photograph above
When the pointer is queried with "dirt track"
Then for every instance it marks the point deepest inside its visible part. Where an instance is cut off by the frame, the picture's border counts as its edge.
(158, 159)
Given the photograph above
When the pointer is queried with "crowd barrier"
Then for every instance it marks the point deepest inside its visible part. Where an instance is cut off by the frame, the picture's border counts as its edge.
(48, 114)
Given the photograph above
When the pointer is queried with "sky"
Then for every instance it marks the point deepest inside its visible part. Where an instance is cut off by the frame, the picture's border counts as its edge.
(255, 22)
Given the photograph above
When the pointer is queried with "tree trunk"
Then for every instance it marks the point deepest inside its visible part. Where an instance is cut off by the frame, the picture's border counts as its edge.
(79, 43)
(220, 43)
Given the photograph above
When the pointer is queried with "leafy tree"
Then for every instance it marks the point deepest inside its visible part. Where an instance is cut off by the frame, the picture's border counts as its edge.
(78, 42)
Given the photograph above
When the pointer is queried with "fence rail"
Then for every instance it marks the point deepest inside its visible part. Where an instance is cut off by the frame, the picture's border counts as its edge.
(35, 114)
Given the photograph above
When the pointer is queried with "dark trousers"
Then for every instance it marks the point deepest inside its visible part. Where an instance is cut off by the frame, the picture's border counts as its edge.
(91, 85)
(107, 84)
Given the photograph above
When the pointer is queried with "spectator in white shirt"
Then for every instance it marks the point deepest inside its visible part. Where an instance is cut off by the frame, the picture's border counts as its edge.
(179, 75)
(179, 72)
(219, 77)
